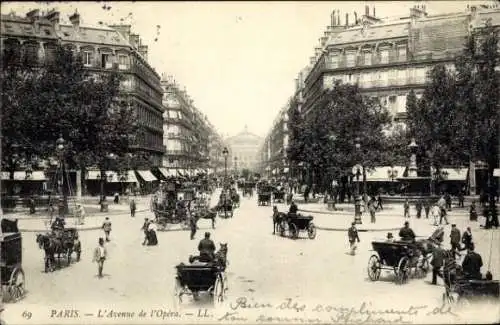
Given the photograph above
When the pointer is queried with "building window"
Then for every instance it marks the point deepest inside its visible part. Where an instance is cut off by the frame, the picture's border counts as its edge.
(384, 56)
(367, 58)
(351, 59)
(334, 61)
(401, 77)
(122, 62)
(402, 54)
(384, 76)
(106, 61)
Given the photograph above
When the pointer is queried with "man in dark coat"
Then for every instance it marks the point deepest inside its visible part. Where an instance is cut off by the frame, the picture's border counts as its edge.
(455, 238)
(472, 264)
(293, 208)
(406, 233)
(473, 211)
(352, 234)
(437, 263)
(206, 247)
(467, 238)
(418, 207)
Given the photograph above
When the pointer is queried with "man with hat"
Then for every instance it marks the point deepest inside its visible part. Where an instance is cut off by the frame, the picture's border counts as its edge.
(206, 247)
(100, 255)
(390, 238)
(144, 228)
(352, 234)
(406, 233)
(455, 238)
(472, 264)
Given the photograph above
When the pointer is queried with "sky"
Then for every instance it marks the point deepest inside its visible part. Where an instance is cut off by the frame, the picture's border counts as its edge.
(237, 60)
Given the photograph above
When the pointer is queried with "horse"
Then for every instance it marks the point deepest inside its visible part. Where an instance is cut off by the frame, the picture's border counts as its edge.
(206, 214)
(278, 217)
(51, 246)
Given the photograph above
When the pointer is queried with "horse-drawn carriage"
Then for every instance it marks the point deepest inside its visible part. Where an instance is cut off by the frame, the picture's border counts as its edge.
(247, 188)
(207, 276)
(264, 195)
(165, 204)
(225, 206)
(293, 224)
(279, 194)
(12, 274)
(401, 257)
(235, 199)
(61, 243)
(465, 291)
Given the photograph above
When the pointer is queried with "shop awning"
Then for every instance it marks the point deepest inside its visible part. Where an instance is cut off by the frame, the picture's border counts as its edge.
(146, 175)
(496, 172)
(454, 174)
(285, 170)
(381, 174)
(22, 176)
(5, 176)
(167, 172)
(130, 178)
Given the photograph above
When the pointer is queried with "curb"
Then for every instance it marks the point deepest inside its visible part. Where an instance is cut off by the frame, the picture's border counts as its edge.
(44, 230)
(99, 214)
(359, 230)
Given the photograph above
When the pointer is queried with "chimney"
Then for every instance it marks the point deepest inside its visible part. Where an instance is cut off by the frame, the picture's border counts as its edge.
(374, 11)
(75, 21)
(338, 18)
(367, 11)
(33, 14)
(317, 52)
(346, 20)
(122, 29)
(53, 17)
(134, 40)
(355, 18)
(312, 60)
(417, 12)
(332, 18)
(324, 40)
(143, 50)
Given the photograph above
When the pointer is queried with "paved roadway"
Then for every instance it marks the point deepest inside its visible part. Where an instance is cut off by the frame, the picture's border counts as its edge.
(262, 267)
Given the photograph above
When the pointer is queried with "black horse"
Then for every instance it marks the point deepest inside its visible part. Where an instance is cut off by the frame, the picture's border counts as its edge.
(206, 214)
(277, 218)
(51, 246)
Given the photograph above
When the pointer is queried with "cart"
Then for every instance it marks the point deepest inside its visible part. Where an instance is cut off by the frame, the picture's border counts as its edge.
(195, 279)
(292, 225)
(13, 279)
(400, 257)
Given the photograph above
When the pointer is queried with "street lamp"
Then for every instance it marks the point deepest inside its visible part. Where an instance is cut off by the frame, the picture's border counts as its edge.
(225, 152)
(236, 166)
(110, 156)
(357, 200)
(60, 149)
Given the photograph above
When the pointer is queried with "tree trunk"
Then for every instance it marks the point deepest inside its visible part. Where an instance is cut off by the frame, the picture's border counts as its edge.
(103, 181)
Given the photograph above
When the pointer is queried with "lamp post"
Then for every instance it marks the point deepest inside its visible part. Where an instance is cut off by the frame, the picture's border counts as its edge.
(225, 152)
(412, 170)
(60, 148)
(103, 177)
(357, 200)
(236, 166)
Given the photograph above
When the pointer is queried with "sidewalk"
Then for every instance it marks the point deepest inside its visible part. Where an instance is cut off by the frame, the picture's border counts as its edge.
(42, 225)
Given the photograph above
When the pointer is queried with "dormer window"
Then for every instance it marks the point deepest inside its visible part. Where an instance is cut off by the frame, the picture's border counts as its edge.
(351, 59)
(402, 53)
(367, 58)
(87, 58)
(106, 61)
(384, 56)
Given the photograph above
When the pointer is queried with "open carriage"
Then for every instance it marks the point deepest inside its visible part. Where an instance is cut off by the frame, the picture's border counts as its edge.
(195, 279)
(292, 225)
(12, 274)
(401, 257)
(225, 207)
(279, 195)
(247, 188)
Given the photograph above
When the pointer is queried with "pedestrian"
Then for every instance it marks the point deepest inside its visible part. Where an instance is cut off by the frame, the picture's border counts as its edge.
(472, 211)
(427, 208)
(418, 207)
(455, 239)
(352, 234)
(372, 209)
(442, 207)
(100, 255)
(461, 199)
(117, 198)
(436, 212)
(467, 238)
(106, 226)
(306, 193)
(133, 207)
(406, 209)
(32, 205)
(193, 220)
(379, 202)
(437, 263)
(144, 228)
(80, 212)
(447, 198)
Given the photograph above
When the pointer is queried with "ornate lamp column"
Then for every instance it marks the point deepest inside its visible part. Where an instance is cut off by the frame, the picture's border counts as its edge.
(225, 152)
(357, 199)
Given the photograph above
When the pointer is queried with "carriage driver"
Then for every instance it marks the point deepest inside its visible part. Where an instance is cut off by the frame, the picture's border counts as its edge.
(293, 209)
(406, 233)
(206, 247)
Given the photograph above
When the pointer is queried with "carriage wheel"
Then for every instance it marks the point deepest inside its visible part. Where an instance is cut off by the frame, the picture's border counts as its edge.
(283, 228)
(403, 270)
(16, 286)
(178, 291)
(294, 231)
(374, 268)
(311, 231)
(218, 293)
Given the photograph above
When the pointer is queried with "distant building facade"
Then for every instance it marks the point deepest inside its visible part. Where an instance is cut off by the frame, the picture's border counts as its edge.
(243, 151)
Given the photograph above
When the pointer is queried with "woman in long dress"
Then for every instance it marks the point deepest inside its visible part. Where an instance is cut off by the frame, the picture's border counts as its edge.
(152, 239)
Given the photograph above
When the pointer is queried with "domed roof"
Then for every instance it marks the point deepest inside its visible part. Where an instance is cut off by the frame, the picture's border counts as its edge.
(244, 137)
